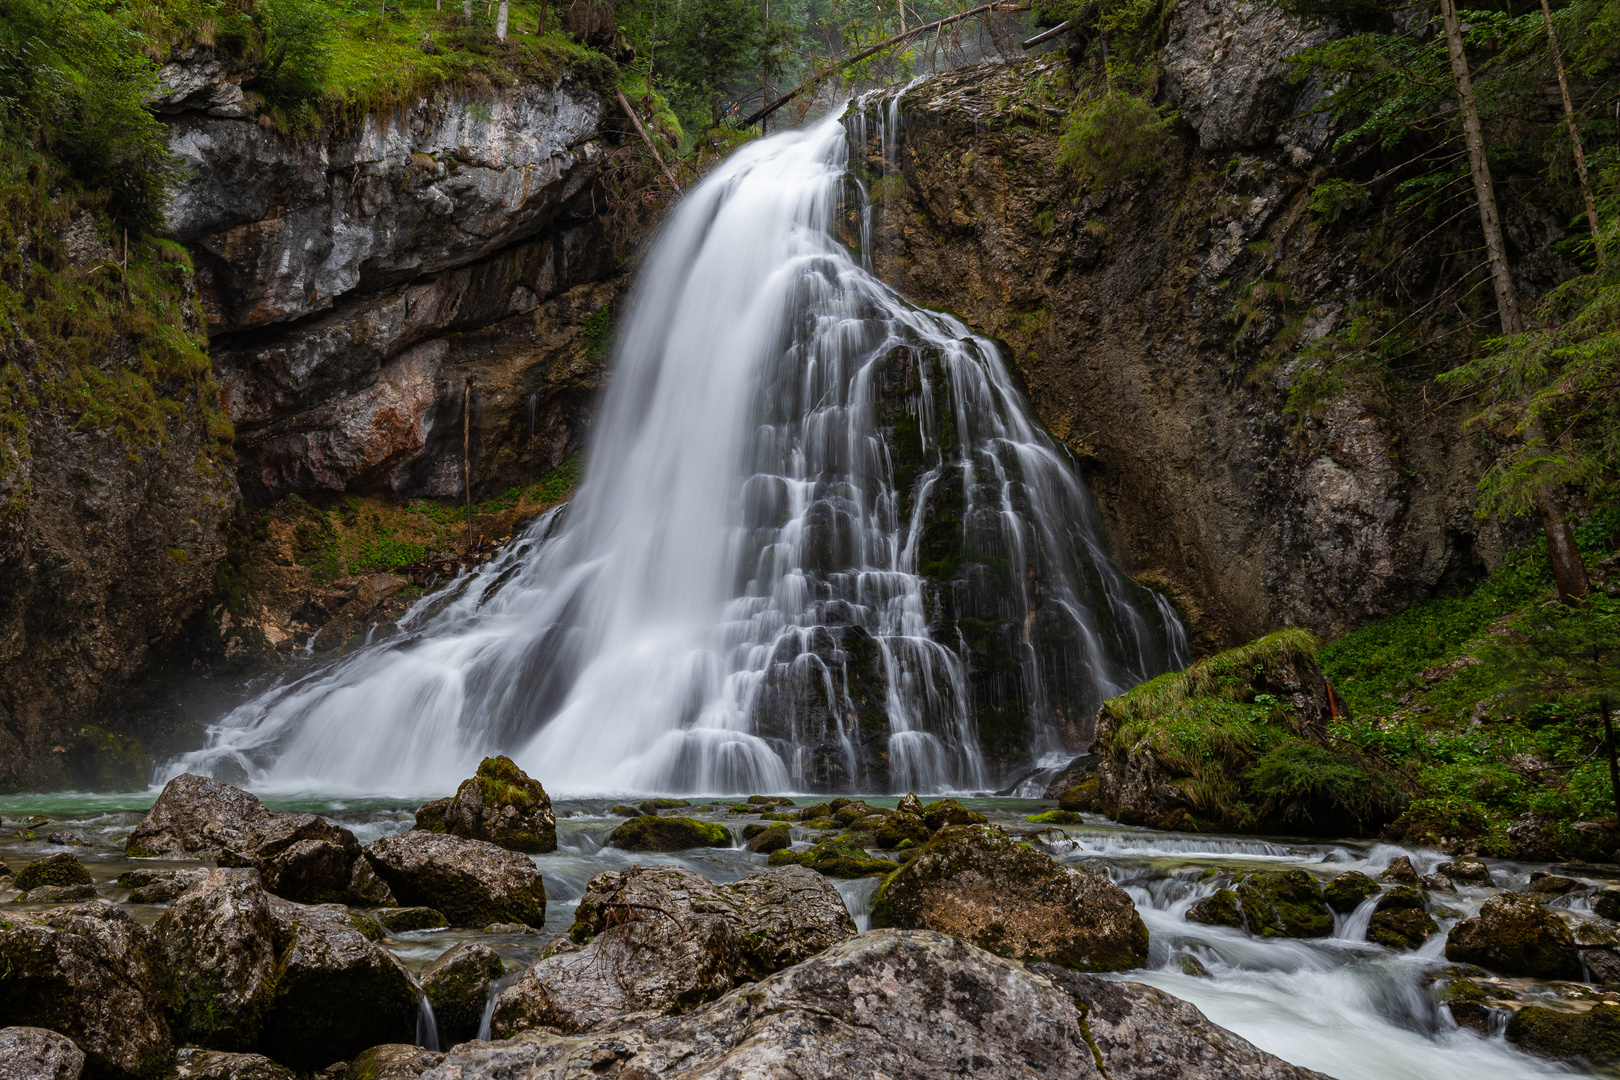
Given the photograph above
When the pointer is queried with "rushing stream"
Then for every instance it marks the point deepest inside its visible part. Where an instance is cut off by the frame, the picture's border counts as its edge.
(1340, 1005)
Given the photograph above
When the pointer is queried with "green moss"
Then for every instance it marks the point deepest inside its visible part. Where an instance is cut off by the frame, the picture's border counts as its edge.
(1219, 908)
(1285, 904)
(101, 760)
(58, 869)
(1592, 1036)
(1055, 817)
(649, 833)
(1346, 892)
(836, 858)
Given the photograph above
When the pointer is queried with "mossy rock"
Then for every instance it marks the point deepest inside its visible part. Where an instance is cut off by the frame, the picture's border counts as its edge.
(1469, 1004)
(816, 811)
(1086, 796)
(1285, 904)
(752, 830)
(457, 986)
(1401, 928)
(1514, 935)
(851, 814)
(1219, 908)
(403, 920)
(770, 800)
(648, 833)
(823, 824)
(945, 812)
(649, 806)
(500, 804)
(901, 828)
(59, 869)
(836, 858)
(1055, 817)
(768, 840)
(627, 811)
(1592, 1036)
(1346, 892)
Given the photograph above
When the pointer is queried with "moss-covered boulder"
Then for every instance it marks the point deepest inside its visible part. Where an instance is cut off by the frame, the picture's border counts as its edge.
(837, 858)
(1219, 908)
(909, 804)
(816, 811)
(457, 986)
(1284, 904)
(1346, 892)
(1514, 935)
(1055, 817)
(1468, 1004)
(1592, 1036)
(947, 812)
(1084, 797)
(59, 869)
(647, 833)
(404, 920)
(95, 975)
(1401, 920)
(899, 827)
(1014, 901)
(500, 804)
(473, 882)
(777, 837)
(1400, 871)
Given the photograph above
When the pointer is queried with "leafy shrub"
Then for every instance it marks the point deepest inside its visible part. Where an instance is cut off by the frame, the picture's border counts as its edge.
(1114, 137)
(1305, 784)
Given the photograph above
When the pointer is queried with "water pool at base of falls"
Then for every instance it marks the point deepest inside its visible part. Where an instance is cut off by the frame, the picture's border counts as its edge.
(1345, 1007)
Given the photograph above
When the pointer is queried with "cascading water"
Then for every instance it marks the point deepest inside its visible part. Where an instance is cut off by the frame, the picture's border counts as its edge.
(819, 546)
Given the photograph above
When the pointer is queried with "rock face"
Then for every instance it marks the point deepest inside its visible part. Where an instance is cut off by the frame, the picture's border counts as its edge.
(95, 975)
(664, 939)
(302, 984)
(501, 804)
(474, 883)
(907, 1004)
(302, 857)
(457, 986)
(1514, 935)
(1015, 902)
(28, 1053)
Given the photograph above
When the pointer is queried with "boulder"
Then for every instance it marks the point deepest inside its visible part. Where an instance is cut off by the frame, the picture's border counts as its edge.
(366, 889)
(1543, 884)
(303, 984)
(501, 804)
(1084, 797)
(1466, 872)
(776, 838)
(195, 1063)
(1514, 935)
(1468, 1004)
(1401, 872)
(96, 976)
(403, 920)
(59, 869)
(1055, 817)
(31, 1053)
(301, 857)
(1607, 902)
(1401, 919)
(58, 894)
(393, 1061)
(648, 833)
(909, 804)
(1535, 838)
(904, 1004)
(457, 986)
(662, 938)
(1284, 904)
(1219, 908)
(1346, 892)
(837, 857)
(1014, 901)
(899, 827)
(938, 815)
(1592, 1036)
(147, 886)
(473, 882)
(1603, 966)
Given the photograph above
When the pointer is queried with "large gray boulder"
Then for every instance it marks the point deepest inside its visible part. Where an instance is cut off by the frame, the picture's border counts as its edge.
(473, 882)
(904, 1004)
(662, 939)
(31, 1053)
(1514, 935)
(457, 986)
(501, 804)
(978, 885)
(96, 976)
(302, 857)
(303, 984)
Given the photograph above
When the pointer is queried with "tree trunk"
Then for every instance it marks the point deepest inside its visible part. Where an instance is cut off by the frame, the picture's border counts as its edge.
(466, 9)
(1507, 301)
(1574, 133)
(500, 21)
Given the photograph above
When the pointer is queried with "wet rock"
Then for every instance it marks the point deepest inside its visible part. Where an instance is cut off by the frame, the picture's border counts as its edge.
(776, 838)
(473, 882)
(457, 986)
(501, 804)
(1514, 935)
(366, 889)
(302, 857)
(1191, 965)
(904, 1004)
(59, 869)
(1543, 884)
(1016, 902)
(1219, 908)
(67, 839)
(1607, 902)
(403, 920)
(1603, 966)
(627, 811)
(1084, 797)
(96, 976)
(1591, 1036)
(1534, 839)
(1468, 1005)
(1055, 817)
(1466, 872)
(909, 804)
(509, 928)
(838, 857)
(649, 833)
(1401, 919)
(303, 984)
(1285, 904)
(770, 800)
(196, 1063)
(899, 827)
(157, 886)
(393, 1061)
(1401, 872)
(938, 815)
(58, 894)
(31, 1053)
(1346, 892)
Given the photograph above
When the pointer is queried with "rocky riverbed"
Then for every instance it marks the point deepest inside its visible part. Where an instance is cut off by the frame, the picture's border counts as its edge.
(591, 958)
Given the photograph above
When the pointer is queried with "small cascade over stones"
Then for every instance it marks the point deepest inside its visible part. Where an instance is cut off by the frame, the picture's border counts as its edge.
(427, 1029)
(820, 546)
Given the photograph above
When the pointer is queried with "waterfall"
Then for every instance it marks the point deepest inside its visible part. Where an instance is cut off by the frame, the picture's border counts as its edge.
(820, 546)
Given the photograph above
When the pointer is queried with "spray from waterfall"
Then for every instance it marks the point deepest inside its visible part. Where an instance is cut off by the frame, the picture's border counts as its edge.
(819, 546)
